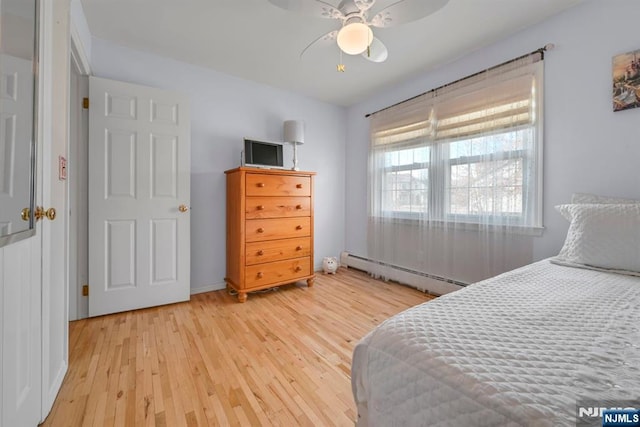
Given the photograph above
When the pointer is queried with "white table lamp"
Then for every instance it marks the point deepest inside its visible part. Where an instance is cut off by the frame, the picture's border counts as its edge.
(293, 131)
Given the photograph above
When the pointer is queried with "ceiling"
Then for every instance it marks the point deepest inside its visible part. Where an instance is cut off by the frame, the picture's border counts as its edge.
(255, 40)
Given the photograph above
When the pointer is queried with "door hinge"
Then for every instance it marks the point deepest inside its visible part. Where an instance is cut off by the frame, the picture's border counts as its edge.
(85, 290)
(85, 103)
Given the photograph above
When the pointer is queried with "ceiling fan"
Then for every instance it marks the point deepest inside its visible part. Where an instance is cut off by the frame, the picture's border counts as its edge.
(355, 36)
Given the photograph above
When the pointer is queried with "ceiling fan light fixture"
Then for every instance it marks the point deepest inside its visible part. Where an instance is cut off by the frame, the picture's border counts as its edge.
(354, 38)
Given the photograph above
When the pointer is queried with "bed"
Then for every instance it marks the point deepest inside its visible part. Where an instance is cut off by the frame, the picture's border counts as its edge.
(522, 348)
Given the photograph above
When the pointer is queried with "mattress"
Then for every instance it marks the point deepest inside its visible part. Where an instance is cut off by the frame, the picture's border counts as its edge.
(523, 348)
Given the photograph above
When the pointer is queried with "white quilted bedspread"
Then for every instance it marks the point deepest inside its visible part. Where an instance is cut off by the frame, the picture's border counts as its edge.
(517, 349)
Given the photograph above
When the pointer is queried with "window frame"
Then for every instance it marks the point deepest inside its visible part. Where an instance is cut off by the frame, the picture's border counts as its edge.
(401, 168)
(443, 214)
(468, 160)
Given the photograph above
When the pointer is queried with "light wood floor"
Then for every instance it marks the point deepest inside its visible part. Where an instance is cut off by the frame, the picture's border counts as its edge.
(282, 358)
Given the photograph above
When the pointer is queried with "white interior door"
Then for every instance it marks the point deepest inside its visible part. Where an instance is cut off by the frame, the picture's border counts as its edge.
(20, 268)
(139, 177)
(33, 291)
(20, 347)
(15, 87)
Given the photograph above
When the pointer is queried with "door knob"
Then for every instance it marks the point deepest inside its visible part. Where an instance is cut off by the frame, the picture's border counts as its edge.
(183, 208)
(50, 213)
(25, 214)
(41, 213)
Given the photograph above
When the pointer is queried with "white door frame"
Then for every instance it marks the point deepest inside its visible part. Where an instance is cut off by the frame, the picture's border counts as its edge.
(54, 132)
(78, 179)
(45, 137)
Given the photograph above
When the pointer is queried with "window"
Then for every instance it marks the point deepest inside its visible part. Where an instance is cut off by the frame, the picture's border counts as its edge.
(406, 175)
(469, 153)
(486, 176)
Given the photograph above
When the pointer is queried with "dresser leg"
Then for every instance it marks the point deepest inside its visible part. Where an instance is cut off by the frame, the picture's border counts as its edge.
(310, 282)
(242, 296)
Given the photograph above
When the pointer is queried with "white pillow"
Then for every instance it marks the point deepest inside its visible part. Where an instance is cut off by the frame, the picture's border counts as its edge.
(602, 235)
(593, 198)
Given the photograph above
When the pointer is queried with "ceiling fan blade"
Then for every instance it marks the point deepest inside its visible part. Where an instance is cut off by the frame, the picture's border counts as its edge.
(325, 39)
(364, 5)
(309, 7)
(404, 11)
(377, 51)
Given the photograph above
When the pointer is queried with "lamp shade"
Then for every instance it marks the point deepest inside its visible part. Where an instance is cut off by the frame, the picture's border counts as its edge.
(293, 131)
(354, 38)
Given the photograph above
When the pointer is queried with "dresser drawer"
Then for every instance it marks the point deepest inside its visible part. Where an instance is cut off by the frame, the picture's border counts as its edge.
(276, 272)
(277, 185)
(277, 207)
(257, 230)
(277, 250)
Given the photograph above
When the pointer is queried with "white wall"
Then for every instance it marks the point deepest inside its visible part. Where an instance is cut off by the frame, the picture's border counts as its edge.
(225, 109)
(588, 147)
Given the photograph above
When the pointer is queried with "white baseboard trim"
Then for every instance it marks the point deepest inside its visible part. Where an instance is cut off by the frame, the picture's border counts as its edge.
(422, 281)
(215, 287)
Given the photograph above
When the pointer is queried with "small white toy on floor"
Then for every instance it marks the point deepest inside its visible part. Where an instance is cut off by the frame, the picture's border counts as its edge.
(330, 265)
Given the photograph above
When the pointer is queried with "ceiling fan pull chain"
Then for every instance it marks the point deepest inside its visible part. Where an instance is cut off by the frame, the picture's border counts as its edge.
(340, 67)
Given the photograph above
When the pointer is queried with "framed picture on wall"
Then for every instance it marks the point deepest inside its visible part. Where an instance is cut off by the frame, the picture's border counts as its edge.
(626, 80)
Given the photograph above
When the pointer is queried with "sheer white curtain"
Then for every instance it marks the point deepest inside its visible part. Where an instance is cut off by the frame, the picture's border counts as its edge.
(456, 175)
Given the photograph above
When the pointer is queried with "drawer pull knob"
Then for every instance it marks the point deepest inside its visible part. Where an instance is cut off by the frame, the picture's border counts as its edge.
(260, 230)
(260, 184)
(298, 207)
(260, 207)
(260, 253)
(298, 248)
(298, 227)
(260, 275)
(298, 185)
(298, 268)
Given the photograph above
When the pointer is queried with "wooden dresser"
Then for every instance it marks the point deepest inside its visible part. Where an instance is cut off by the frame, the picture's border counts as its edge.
(269, 228)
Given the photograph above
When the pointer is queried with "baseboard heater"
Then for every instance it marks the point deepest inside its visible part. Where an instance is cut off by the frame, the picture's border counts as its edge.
(424, 282)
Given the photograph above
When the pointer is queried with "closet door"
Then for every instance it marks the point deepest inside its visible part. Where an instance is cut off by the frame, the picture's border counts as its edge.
(20, 262)
(20, 296)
